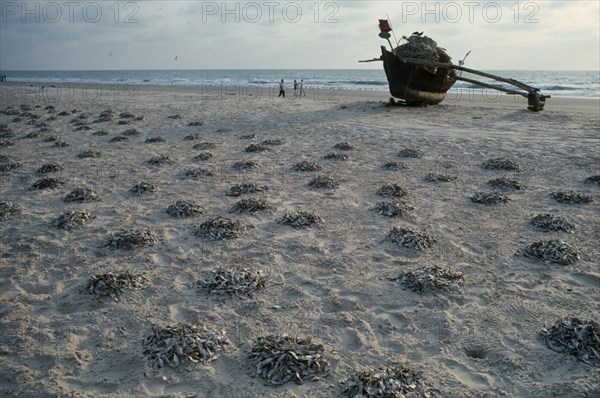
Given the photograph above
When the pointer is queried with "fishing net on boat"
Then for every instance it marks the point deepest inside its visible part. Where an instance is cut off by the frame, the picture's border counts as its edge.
(422, 47)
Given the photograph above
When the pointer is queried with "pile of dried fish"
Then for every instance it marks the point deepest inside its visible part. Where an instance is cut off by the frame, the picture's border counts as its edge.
(61, 144)
(198, 173)
(192, 137)
(82, 127)
(119, 138)
(142, 187)
(432, 177)
(392, 209)
(7, 163)
(33, 134)
(6, 143)
(103, 119)
(6, 159)
(174, 117)
(126, 115)
(430, 279)
(394, 166)
(505, 184)
(500, 163)
(301, 218)
(100, 133)
(197, 123)
(84, 115)
(579, 337)
(154, 140)
(489, 198)
(202, 146)
(250, 205)
(245, 165)
(552, 222)
(218, 228)
(8, 209)
(554, 251)
(571, 197)
(10, 111)
(324, 182)
(48, 183)
(160, 160)
(305, 165)
(272, 142)
(247, 187)
(72, 219)
(81, 195)
(410, 153)
(593, 179)
(131, 239)
(248, 136)
(408, 237)
(49, 168)
(89, 154)
(184, 209)
(172, 345)
(241, 282)
(280, 359)
(105, 116)
(257, 148)
(4, 129)
(344, 146)
(204, 156)
(113, 285)
(392, 190)
(132, 131)
(336, 156)
(394, 382)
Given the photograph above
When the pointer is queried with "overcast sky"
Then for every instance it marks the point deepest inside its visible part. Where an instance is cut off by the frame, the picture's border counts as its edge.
(73, 35)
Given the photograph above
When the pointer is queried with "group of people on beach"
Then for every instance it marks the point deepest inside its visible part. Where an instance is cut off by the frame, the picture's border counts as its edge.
(2, 78)
(298, 89)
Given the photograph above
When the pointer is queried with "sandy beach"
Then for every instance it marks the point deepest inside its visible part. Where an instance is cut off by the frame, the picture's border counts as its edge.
(338, 281)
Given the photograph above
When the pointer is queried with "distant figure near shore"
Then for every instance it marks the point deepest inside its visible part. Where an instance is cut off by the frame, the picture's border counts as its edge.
(281, 89)
(2, 78)
(302, 88)
(295, 88)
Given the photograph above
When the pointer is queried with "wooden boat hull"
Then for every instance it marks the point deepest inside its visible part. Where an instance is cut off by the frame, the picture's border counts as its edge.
(413, 83)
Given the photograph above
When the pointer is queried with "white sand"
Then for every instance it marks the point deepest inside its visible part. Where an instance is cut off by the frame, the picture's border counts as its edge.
(329, 282)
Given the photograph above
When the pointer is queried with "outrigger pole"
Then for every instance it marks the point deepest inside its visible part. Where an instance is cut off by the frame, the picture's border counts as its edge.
(535, 99)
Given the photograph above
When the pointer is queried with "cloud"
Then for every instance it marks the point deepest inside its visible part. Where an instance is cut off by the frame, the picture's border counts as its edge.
(293, 34)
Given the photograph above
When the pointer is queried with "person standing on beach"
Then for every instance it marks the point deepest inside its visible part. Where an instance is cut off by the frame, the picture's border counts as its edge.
(295, 88)
(302, 88)
(281, 89)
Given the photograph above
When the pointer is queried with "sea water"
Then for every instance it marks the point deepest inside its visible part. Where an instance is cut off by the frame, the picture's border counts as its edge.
(585, 84)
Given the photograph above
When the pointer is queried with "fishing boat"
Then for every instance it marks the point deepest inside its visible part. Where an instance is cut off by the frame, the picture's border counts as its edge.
(420, 73)
(415, 84)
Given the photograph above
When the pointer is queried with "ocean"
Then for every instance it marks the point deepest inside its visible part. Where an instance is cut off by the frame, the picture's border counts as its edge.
(582, 84)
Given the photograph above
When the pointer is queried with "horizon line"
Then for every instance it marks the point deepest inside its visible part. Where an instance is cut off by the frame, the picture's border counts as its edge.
(265, 69)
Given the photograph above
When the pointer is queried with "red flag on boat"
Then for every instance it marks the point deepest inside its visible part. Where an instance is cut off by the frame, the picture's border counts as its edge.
(384, 25)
